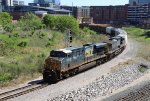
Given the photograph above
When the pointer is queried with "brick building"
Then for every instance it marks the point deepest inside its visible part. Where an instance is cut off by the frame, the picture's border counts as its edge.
(83, 15)
(83, 11)
(109, 14)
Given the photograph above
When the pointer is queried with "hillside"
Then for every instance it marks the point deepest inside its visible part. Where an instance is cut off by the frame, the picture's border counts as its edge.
(25, 45)
(143, 37)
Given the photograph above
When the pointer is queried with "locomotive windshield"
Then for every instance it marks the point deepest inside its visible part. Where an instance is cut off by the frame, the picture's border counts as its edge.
(57, 54)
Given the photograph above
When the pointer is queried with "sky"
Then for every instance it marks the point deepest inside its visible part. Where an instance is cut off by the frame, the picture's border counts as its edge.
(89, 2)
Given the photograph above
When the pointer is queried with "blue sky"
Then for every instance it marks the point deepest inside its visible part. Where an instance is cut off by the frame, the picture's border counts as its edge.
(90, 2)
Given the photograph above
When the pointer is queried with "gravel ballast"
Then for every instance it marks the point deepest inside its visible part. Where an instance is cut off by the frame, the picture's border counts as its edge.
(102, 86)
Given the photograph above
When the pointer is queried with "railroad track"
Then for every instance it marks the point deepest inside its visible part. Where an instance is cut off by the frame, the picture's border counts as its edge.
(142, 94)
(21, 91)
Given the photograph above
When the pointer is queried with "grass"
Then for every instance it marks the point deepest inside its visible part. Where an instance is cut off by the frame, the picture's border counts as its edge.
(121, 65)
(143, 37)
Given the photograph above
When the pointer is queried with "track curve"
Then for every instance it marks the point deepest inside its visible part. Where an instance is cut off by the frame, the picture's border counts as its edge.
(81, 79)
(20, 91)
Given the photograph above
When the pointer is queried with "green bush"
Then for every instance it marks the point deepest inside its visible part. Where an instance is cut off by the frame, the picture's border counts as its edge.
(28, 66)
(5, 77)
(23, 44)
(49, 21)
(88, 31)
(5, 19)
(42, 34)
(9, 42)
(9, 28)
(61, 23)
(16, 34)
(30, 22)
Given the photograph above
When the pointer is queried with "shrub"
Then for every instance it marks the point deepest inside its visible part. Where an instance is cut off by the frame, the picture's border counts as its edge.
(5, 19)
(9, 28)
(49, 21)
(30, 22)
(5, 77)
(67, 22)
(23, 44)
(61, 23)
(42, 34)
(88, 31)
(15, 34)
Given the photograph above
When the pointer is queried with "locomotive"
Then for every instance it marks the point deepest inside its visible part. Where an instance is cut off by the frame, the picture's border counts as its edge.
(69, 61)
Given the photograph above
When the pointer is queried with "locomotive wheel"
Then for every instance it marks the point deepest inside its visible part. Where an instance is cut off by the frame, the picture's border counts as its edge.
(65, 75)
(76, 71)
(46, 77)
(54, 77)
(98, 62)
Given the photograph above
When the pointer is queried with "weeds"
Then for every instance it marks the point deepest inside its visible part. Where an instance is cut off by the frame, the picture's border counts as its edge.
(25, 46)
(141, 35)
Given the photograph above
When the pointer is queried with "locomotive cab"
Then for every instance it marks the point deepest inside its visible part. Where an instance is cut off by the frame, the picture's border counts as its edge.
(53, 64)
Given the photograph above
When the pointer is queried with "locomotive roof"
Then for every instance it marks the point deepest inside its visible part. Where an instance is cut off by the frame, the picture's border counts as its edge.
(65, 51)
(69, 49)
(116, 37)
(73, 48)
(98, 45)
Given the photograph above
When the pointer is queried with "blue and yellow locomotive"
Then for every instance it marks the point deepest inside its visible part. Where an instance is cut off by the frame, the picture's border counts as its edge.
(69, 61)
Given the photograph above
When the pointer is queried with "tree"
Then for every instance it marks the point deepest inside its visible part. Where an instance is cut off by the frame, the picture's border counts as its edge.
(67, 22)
(49, 21)
(30, 22)
(5, 19)
(61, 23)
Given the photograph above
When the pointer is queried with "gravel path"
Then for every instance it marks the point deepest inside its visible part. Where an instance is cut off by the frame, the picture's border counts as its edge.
(130, 89)
(80, 80)
(102, 87)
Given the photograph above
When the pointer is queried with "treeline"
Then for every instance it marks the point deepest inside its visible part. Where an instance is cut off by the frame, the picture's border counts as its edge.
(31, 22)
(61, 23)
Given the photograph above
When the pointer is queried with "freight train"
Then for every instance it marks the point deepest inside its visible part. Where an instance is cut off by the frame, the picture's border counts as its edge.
(69, 61)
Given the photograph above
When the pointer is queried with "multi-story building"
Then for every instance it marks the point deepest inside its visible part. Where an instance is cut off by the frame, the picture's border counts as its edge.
(47, 3)
(4, 4)
(138, 13)
(138, 2)
(142, 2)
(18, 2)
(8, 2)
(83, 12)
(133, 2)
(109, 14)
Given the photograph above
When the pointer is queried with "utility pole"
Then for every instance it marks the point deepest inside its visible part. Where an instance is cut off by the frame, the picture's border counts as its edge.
(68, 38)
